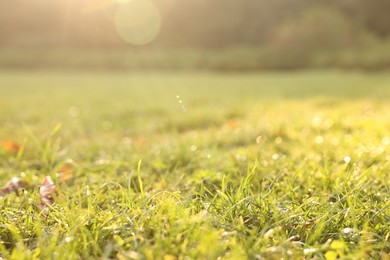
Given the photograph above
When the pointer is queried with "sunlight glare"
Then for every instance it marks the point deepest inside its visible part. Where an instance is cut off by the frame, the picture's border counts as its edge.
(138, 22)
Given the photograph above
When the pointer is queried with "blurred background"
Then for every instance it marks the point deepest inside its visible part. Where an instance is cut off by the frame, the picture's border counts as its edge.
(218, 35)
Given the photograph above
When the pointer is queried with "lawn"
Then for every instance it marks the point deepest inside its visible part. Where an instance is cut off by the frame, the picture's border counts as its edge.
(291, 165)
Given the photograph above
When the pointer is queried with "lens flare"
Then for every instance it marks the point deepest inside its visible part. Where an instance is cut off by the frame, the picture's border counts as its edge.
(97, 5)
(138, 22)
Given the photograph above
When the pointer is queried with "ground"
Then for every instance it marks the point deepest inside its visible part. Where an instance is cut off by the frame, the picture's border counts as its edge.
(196, 165)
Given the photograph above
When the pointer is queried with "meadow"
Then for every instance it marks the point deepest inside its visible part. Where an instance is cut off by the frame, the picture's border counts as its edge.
(149, 165)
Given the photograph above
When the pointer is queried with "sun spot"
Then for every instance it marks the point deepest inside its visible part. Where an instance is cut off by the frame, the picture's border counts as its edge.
(138, 22)
(386, 140)
(349, 230)
(319, 139)
(278, 140)
(380, 150)
(316, 121)
(347, 159)
(335, 141)
(328, 123)
(240, 157)
(310, 250)
(127, 141)
(74, 111)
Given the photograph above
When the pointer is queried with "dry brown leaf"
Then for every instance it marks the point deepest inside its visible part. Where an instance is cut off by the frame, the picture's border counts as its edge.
(13, 186)
(11, 146)
(66, 169)
(65, 173)
(47, 192)
(141, 141)
(232, 123)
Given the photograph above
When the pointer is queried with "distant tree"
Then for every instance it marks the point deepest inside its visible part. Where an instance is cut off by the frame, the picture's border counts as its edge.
(374, 14)
(192, 23)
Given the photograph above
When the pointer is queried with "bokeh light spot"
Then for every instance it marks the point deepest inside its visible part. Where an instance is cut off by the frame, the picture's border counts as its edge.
(138, 22)
(74, 111)
(347, 159)
(319, 139)
(278, 140)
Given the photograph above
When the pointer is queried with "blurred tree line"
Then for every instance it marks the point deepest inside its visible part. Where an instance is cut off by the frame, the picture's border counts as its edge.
(283, 33)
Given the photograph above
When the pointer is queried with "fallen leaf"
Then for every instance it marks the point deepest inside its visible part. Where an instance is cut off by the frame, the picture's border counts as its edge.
(65, 169)
(11, 146)
(232, 123)
(309, 223)
(65, 173)
(47, 191)
(140, 141)
(13, 186)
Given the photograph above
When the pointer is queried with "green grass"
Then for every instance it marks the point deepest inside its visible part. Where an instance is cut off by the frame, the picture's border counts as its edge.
(197, 166)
